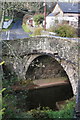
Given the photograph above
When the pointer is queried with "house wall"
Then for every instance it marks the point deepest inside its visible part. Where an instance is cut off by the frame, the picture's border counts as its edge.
(52, 20)
(62, 18)
(56, 10)
(49, 21)
(72, 18)
(71, 14)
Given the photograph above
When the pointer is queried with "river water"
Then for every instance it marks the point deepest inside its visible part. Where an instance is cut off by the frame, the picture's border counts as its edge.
(46, 95)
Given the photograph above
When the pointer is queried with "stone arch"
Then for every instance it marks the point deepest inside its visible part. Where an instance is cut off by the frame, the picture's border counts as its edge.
(67, 66)
(72, 74)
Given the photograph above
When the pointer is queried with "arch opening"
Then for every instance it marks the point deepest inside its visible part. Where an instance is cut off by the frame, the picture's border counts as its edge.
(50, 78)
(45, 66)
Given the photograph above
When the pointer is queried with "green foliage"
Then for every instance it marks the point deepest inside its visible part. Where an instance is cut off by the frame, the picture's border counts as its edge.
(1, 113)
(26, 28)
(38, 19)
(11, 102)
(38, 114)
(31, 35)
(51, 29)
(65, 31)
(1, 109)
(6, 18)
(37, 31)
(65, 112)
(2, 90)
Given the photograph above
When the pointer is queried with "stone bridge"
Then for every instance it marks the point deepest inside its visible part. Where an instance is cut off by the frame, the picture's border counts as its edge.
(19, 54)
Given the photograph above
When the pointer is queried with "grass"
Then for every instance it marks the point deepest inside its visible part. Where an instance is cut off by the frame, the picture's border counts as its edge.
(37, 31)
(31, 35)
(26, 28)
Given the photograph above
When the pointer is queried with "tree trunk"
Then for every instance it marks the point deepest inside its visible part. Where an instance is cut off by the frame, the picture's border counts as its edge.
(2, 18)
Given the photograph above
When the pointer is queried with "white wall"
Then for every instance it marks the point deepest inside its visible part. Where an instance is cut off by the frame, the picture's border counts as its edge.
(56, 10)
(71, 18)
(49, 22)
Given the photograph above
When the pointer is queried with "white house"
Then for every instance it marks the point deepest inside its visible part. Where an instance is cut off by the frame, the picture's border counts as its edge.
(30, 22)
(64, 13)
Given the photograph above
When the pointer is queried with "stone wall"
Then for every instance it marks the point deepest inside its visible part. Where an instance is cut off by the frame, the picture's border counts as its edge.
(20, 53)
(66, 48)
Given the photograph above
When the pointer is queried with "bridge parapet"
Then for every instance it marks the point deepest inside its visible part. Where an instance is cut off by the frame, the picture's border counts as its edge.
(66, 48)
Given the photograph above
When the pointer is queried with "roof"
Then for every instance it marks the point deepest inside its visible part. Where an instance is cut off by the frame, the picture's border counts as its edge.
(67, 7)
(51, 14)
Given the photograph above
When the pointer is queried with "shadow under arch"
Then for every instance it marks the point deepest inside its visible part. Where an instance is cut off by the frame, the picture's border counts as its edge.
(54, 56)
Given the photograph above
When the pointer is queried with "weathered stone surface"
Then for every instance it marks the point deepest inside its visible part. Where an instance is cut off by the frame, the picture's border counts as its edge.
(20, 54)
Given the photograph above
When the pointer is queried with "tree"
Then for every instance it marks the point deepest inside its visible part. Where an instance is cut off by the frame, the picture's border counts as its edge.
(1, 15)
(38, 18)
(35, 7)
(8, 8)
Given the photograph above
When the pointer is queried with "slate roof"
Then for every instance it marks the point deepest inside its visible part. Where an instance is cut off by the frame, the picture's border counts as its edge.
(51, 14)
(69, 7)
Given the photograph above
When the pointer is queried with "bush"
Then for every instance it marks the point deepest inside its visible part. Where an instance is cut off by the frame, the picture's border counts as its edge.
(51, 29)
(37, 31)
(66, 112)
(26, 28)
(66, 31)
(38, 114)
(38, 19)
(6, 18)
(46, 113)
